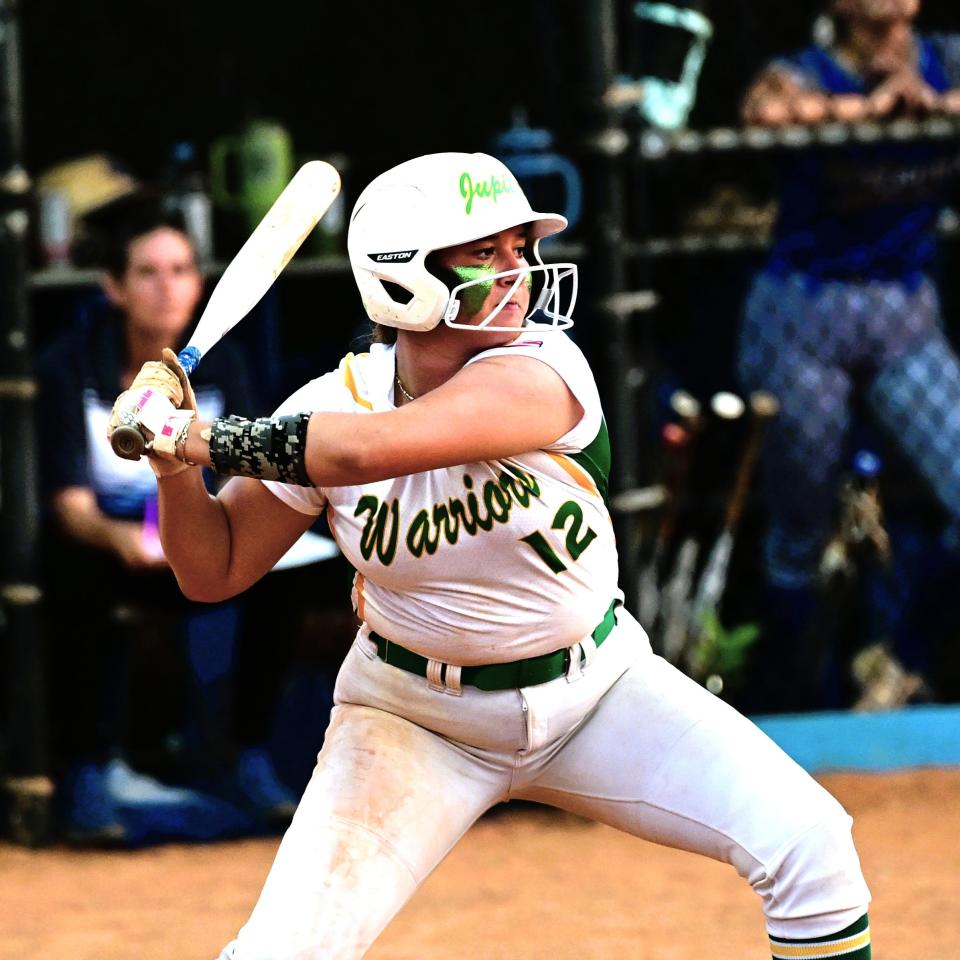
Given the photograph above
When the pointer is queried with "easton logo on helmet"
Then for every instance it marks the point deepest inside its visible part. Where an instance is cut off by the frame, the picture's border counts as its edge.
(398, 256)
(491, 188)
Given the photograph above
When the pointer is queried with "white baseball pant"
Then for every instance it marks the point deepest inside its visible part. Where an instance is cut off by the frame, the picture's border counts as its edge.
(627, 740)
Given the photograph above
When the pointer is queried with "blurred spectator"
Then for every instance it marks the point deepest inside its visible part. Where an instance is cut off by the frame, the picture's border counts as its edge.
(114, 603)
(845, 309)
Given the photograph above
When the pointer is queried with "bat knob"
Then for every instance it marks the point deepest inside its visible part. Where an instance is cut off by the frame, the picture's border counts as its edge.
(127, 442)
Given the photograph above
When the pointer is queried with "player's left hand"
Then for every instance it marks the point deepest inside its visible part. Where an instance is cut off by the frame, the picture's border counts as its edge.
(159, 375)
(151, 404)
(145, 408)
(155, 380)
(161, 423)
(162, 450)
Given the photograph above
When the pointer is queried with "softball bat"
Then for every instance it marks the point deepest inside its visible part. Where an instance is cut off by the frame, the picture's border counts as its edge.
(278, 236)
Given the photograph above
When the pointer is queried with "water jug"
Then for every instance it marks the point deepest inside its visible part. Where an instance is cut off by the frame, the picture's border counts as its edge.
(551, 181)
(249, 171)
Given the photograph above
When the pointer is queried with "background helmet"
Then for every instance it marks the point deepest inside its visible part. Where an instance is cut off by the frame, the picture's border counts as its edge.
(428, 203)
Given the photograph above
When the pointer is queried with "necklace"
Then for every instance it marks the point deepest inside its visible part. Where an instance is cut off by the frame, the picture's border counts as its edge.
(406, 396)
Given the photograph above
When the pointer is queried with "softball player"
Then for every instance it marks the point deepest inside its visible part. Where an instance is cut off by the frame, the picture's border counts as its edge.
(462, 464)
(846, 304)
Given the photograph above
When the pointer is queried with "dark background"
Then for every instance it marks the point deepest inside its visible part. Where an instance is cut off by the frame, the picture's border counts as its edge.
(380, 82)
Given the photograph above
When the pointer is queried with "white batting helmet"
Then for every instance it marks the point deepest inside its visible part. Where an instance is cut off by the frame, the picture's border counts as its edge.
(429, 203)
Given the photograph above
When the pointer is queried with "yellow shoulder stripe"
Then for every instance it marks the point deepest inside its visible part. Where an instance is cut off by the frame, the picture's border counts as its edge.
(579, 475)
(351, 383)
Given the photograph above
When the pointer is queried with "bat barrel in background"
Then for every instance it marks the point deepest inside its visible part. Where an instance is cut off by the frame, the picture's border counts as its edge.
(764, 406)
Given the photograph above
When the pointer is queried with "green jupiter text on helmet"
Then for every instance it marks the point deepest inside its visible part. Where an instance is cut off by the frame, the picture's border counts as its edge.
(488, 189)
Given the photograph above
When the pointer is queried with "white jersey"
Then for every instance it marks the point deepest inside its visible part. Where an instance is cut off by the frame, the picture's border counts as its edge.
(481, 563)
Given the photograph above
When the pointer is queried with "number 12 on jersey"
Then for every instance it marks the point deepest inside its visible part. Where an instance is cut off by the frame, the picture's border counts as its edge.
(571, 512)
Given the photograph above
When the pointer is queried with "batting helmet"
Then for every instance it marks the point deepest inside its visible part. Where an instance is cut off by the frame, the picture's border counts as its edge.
(432, 202)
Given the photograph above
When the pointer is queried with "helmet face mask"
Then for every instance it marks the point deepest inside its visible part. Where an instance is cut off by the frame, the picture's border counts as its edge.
(555, 296)
(429, 204)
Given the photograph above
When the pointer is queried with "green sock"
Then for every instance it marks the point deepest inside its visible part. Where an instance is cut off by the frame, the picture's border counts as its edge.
(852, 943)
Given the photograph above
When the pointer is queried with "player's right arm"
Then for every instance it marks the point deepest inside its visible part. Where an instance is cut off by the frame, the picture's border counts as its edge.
(219, 546)
(489, 410)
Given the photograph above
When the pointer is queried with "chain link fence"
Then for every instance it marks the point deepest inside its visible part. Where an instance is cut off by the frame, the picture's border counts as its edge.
(802, 556)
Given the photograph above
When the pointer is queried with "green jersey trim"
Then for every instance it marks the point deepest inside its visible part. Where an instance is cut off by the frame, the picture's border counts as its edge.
(595, 459)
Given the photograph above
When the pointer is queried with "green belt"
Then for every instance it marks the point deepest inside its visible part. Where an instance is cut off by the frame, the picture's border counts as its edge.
(498, 676)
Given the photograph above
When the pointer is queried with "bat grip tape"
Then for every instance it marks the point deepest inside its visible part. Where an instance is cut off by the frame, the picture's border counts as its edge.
(189, 357)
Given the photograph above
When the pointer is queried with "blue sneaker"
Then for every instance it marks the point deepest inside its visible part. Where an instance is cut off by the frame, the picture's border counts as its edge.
(129, 789)
(114, 803)
(259, 789)
(156, 811)
(90, 814)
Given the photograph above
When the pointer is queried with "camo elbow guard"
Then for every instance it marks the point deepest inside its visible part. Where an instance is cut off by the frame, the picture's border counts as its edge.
(270, 448)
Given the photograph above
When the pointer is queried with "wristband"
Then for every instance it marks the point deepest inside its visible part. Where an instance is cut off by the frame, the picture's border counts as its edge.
(271, 448)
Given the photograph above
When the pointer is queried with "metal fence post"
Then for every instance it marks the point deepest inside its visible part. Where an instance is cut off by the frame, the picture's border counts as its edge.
(604, 146)
(26, 783)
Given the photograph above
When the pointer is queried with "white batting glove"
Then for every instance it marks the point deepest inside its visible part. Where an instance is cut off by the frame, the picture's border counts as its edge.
(159, 376)
(150, 405)
(146, 408)
(154, 378)
(162, 425)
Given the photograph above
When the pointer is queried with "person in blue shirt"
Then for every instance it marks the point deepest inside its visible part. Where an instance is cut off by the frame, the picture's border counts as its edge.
(104, 559)
(846, 306)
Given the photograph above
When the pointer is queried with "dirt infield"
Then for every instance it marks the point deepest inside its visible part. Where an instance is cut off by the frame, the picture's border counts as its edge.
(526, 885)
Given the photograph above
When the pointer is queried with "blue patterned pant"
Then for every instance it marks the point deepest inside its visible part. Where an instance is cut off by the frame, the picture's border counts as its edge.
(811, 344)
